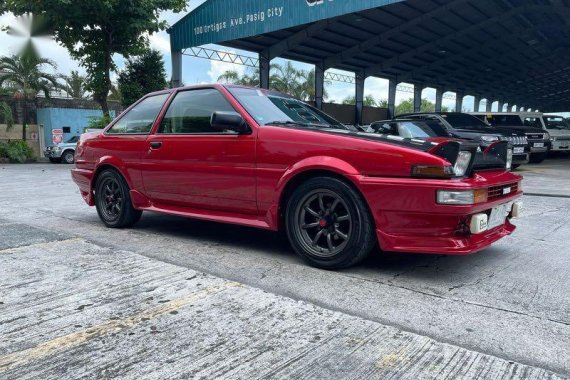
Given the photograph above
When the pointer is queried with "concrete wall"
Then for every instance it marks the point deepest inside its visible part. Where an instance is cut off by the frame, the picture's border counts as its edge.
(32, 136)
(76, 119)
(347, 114)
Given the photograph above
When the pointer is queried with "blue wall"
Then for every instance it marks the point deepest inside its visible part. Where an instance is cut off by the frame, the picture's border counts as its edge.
(57, 118)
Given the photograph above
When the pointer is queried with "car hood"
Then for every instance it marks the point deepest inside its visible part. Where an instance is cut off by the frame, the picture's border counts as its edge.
(559, 132)
(417, 144)
(519, 130)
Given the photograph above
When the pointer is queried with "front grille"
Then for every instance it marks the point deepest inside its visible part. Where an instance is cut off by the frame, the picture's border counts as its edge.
(563, 138)
(517, 140)
(497, 192)
(536, 136)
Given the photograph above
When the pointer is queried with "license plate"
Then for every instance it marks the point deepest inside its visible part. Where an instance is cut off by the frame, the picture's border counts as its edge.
(539, 145)
(518, 150)
(499, 215)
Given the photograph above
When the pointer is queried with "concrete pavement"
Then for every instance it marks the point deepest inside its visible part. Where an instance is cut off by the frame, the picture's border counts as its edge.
(502, 309)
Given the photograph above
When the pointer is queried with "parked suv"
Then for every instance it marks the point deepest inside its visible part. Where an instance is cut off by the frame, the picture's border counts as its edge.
(557, 127)
(464, 126)
(64, 152)
(538, 140)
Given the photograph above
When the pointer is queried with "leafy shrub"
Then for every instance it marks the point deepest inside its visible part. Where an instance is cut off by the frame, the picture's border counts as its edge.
(16, 151)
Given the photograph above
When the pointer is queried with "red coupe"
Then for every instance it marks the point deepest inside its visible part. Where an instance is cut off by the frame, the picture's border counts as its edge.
(262, 159)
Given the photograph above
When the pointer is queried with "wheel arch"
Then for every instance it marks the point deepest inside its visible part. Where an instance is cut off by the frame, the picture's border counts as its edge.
(334, 168)
(113, 164)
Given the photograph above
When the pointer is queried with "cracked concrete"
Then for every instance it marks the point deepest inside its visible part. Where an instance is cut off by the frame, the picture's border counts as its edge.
(509, 301)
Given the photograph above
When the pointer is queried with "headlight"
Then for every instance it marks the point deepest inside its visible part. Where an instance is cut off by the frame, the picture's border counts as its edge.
(462, 163)
(461, 197)
(553, 139)
(509, 159)
(489, 138)
(547, 136)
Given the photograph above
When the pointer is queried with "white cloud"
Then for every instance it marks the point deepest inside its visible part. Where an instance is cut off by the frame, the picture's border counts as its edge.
(217, 68)
(160, 42)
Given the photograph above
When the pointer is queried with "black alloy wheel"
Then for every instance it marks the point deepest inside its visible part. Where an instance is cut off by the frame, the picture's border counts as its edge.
(113, 201)
(329, 224)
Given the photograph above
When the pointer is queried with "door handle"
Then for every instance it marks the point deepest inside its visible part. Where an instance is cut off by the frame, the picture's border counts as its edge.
(155, 145)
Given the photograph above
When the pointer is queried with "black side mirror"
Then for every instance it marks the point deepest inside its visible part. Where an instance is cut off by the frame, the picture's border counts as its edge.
(233, 121)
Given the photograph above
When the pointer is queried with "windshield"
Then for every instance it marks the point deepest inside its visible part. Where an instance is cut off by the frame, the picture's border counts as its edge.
(275, 109)
(533, 122)
(464, 121)
(414, 129)
(505, 120)
(72, 140)
(556, 122)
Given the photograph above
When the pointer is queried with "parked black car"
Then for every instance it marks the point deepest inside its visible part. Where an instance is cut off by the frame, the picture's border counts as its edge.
(464, 126)
(539, 139)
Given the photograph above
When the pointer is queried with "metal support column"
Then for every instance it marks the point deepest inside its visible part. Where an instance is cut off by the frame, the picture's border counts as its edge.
(418, 97)
(264, 67)
(392, 87)
(319, 86)
(438, 99)
(459, 101)
(476, 103)
(501, 106)
(359, 98)
(176, 80)
(489, 106)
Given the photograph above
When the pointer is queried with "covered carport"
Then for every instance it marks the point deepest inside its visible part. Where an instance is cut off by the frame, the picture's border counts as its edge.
(514, 52)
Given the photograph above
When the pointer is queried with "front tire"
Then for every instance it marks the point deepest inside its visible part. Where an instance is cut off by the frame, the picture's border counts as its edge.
(537, 158)
(113, 201)
(328, 224)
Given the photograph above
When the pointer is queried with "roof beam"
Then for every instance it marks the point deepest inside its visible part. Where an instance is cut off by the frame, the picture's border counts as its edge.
(388, 64)
(297, 39)
(333, 61)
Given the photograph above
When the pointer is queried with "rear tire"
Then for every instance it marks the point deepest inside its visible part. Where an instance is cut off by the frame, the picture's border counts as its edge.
(68, 157)
(113, 201)
(537, 158)
(328, 224)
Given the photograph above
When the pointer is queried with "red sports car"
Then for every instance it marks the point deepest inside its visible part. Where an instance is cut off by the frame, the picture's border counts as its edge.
(259, 158)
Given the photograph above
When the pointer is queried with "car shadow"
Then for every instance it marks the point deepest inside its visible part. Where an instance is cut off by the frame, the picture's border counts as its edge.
(378, 266)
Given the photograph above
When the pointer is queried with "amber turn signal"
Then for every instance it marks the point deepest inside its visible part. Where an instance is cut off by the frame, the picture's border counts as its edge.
(480, 196)
(432, 171)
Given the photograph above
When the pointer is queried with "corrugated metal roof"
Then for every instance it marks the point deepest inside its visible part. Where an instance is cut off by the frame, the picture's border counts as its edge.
(513, 50)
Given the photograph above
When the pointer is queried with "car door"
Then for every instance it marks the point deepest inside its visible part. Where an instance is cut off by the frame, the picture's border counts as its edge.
(190, 164)
(124, 142)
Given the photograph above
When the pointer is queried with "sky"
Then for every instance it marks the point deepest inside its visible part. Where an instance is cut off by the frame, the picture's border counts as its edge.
(198, 70)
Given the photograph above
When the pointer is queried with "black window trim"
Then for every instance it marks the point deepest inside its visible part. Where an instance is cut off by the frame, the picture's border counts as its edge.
(171, 100)
(126, 112)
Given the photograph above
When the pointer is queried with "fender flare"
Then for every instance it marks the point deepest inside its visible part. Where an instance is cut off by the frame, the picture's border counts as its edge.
(324, 163)
(116, 164)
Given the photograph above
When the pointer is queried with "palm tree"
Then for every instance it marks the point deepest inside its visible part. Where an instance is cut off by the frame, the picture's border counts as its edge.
(24, 74)
(75, 85)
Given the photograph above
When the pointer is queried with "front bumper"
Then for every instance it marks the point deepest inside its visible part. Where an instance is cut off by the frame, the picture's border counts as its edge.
(408, 219)
(560, 146)
(52, 153)
(519, 159)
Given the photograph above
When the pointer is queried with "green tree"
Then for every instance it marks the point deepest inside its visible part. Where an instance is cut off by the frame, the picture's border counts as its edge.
(407, 106)
(369, 101)
(75, 85)
(25, 76)
(142, 74)
(94, 30)
(6, 115)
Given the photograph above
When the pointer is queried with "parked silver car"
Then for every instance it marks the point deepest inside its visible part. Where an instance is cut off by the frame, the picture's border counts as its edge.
(64, 152)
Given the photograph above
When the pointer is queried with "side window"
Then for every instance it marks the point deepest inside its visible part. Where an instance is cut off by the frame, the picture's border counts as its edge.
(139, 120)
(190, 112)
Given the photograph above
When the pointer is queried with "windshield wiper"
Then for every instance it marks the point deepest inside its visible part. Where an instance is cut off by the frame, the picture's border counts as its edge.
(288, 122)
